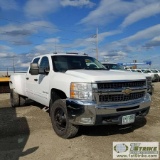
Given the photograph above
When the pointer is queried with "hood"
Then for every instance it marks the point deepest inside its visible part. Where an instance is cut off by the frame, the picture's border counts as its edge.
(104, 75)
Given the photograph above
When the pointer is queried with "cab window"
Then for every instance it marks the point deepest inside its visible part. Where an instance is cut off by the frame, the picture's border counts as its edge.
(36, 60)
(44, 64)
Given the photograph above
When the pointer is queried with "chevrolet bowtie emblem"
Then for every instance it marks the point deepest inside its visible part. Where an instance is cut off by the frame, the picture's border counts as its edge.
(127, 91)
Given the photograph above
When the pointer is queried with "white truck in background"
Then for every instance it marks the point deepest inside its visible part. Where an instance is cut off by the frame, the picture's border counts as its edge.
(78, 93)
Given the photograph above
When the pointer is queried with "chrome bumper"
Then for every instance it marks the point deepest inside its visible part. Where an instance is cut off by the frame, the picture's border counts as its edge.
(89, 113)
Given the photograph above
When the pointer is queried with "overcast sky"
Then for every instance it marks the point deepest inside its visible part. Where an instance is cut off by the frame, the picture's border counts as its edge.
(127, 29)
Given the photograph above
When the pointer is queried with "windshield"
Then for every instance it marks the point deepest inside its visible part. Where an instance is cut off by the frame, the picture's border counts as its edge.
(139, 71)
(113, 66)
(154, 71)
(62, 63)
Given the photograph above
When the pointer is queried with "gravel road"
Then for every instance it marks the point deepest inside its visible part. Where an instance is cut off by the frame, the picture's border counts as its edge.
(26, 134)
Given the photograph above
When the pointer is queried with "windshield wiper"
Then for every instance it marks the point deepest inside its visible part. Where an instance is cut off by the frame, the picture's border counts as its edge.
(102, 69)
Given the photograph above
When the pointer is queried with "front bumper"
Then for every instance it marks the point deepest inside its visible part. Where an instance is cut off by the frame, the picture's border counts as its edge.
(90, 113)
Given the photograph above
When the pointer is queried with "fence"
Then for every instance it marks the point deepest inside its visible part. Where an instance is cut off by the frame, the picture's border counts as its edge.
(12, 64)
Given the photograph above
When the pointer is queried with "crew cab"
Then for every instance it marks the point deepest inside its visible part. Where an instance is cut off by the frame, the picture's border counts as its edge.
(79, 94)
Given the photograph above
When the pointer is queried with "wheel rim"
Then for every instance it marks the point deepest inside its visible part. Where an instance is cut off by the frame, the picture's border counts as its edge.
(60, 119)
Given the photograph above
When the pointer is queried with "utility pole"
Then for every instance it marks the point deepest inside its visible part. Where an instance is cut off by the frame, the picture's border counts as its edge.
(97, 43)
(13, 65)
(55, 47)
(7, 72)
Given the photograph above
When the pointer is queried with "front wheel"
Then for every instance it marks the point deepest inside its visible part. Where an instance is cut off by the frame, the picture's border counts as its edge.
(60, 120)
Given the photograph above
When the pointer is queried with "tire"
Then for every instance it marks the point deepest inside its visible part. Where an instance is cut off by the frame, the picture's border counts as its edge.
(15, 99)
(60, 120)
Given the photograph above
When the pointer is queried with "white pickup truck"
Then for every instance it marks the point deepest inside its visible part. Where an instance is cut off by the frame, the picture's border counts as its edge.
(79, 90)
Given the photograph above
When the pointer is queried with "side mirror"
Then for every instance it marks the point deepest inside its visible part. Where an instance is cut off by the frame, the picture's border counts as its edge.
(34, 69)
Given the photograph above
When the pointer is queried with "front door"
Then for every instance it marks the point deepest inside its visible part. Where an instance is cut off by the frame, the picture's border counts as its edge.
(31, 82)
(42, 83)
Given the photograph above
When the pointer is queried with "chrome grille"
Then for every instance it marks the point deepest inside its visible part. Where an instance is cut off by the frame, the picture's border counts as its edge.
(116, 85)
(120, 97)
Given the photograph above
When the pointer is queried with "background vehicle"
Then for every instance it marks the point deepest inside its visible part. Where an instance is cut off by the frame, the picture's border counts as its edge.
(77, 93)
(155, 76)
(156, 72)
(149, 79)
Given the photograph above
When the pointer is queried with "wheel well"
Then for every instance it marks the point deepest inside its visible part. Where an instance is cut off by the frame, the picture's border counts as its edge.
(57, 94)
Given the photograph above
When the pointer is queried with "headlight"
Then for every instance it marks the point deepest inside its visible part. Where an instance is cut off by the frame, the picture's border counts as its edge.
(81, 90)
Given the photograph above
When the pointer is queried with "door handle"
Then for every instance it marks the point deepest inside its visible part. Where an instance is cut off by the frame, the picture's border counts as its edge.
(35, 79)
(27, 78)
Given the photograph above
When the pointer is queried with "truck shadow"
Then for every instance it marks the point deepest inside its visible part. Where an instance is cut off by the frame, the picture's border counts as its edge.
(14, 134)
(108, 130)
